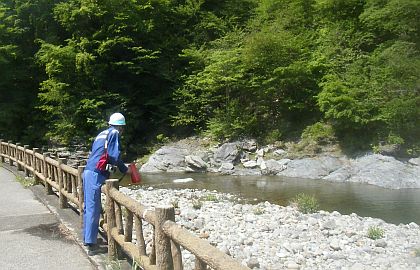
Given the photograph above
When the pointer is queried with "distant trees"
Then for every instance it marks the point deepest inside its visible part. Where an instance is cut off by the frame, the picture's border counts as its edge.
(351, 63)
(230, 68)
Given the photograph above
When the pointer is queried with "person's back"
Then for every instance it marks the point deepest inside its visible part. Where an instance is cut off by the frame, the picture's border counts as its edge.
(106, 140)
(105, 151)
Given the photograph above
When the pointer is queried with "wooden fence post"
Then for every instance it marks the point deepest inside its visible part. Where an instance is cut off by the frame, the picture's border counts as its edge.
(128, 236)
(62, 199)
(111, 220)
(1, 150)
(48, 187)
(163, 243)
(35, 165)
(118, 218)
(25, 159)
(199, 264)
(9, 152)
(139, 235)
(18, 154)
(80, 191)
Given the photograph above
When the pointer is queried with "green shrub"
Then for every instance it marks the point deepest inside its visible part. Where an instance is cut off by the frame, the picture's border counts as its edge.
(259, 211)
(375, 232)
(321, 133)
(306, 203)
(175, 202)
(162, 139)
(197, 204)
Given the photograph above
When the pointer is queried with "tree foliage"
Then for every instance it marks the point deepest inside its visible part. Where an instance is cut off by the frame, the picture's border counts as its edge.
(269, 69)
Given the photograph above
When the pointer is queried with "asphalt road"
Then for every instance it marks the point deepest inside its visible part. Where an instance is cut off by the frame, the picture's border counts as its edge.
(32, 236)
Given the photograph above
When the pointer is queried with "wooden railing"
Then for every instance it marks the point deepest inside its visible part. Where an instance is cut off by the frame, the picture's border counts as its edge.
(125, 232)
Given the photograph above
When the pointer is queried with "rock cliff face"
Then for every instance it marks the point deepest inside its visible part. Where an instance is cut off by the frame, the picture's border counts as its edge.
(245, 158)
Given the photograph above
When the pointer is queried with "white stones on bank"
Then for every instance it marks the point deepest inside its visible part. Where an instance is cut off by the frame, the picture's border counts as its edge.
(269, 236)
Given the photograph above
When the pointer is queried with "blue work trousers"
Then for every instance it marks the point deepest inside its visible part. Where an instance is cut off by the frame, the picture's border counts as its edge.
(92, 182)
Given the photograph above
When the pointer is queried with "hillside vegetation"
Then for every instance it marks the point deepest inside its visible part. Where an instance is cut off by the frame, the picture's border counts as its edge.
(341, 71)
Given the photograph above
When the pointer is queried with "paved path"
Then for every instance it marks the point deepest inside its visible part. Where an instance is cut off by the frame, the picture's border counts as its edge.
(31, 235)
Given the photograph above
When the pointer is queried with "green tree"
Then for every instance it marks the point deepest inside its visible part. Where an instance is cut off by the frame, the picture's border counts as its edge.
(21, 23)
(253, 81)
(370, 86)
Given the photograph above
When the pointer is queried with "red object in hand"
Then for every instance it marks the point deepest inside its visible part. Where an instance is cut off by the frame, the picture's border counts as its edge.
(135, 175)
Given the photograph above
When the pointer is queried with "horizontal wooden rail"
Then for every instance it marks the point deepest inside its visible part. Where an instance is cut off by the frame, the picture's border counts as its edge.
(212, 256)
(132, 205)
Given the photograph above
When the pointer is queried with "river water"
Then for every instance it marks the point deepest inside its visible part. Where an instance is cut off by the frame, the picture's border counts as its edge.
(393, 206)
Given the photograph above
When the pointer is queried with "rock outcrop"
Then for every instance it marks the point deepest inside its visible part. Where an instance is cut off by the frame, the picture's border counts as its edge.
(245, 158)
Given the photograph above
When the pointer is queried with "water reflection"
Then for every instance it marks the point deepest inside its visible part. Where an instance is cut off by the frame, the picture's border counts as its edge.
(394, 206)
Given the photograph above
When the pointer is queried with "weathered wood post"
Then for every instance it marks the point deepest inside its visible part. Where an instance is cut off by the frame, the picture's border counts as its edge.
(47, 174)
(18, 154)
(118, 218)
(80, 192)
(9, 152)
(199, 264)
(163, 243)
(110, 215)
(35, 165)
(1, 150)
(25, 159)
(128, 236)
(139, 235)
(62, 199)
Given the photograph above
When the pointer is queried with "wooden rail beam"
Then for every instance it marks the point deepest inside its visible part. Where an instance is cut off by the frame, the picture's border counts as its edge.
(213, 257)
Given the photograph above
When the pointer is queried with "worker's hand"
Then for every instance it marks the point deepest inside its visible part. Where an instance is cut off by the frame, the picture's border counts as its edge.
(129, 170)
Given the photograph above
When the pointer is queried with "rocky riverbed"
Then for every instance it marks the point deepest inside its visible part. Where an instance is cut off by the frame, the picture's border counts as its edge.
(248, 158)
(268, 236)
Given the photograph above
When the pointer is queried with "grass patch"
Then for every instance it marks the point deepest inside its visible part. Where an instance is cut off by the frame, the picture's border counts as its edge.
(306, 204)
(259, 211)
(210, 198)
(375, 233)
(26, 181)
(197, 204)
(175, 202)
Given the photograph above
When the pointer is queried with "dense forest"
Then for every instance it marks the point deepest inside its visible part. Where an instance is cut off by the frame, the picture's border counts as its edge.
(335, 70)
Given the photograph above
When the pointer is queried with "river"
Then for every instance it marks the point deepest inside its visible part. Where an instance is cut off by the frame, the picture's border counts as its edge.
(393, 206)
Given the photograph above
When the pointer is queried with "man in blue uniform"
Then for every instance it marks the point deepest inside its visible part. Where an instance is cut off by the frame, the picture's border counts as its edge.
(105, 152)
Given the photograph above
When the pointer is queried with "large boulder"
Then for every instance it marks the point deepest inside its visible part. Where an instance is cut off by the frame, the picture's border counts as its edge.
(169, 159)
(313, 168)
(273, 167)
(195, 163)
(228, 152)
(379, 170)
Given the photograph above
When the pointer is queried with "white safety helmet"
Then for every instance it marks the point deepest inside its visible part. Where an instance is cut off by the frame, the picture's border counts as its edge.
(117, 119)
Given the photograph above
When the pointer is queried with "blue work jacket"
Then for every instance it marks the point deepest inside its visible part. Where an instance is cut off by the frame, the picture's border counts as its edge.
(98, 148)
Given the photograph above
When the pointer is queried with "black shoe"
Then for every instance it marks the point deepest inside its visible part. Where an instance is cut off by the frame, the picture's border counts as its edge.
(92, 249)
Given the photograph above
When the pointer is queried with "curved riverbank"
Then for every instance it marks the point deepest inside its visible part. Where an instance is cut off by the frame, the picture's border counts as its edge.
(269, 236)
